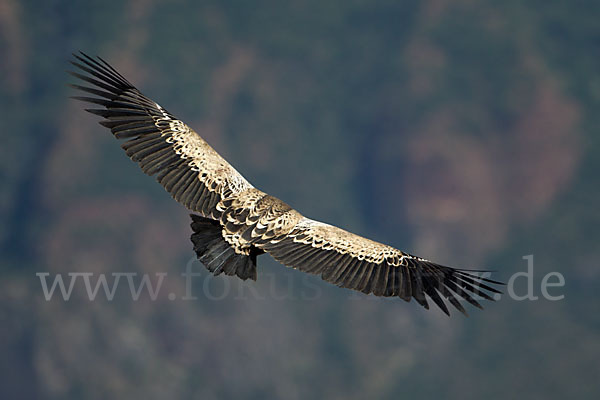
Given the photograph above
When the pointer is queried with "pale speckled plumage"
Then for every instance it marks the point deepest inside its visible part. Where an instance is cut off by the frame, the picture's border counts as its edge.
(216, 173)
(329, 237)
(240, 222)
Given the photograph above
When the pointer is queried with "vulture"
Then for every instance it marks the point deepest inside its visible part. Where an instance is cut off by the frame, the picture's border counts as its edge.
(233, 222)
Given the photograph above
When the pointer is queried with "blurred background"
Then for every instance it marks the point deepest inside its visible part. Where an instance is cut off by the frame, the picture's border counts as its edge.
(463, 131)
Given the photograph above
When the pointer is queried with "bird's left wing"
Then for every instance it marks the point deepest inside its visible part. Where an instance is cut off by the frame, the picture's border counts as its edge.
(355, 262)
(187, 167)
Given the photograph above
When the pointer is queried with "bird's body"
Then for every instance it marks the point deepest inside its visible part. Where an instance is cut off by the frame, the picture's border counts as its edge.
(235, 222)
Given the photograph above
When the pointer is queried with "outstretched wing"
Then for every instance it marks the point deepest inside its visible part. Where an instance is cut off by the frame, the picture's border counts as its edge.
(188, 168)
(354, 262)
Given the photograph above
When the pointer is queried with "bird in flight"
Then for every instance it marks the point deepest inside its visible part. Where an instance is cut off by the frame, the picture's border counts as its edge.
(234, 222)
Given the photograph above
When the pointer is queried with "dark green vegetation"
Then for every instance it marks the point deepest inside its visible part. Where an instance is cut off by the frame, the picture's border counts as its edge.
(466, 132)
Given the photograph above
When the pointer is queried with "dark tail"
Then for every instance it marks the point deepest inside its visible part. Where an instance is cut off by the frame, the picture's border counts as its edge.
(216, 254)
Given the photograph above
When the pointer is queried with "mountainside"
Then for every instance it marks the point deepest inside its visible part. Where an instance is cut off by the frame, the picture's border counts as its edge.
(464, 132)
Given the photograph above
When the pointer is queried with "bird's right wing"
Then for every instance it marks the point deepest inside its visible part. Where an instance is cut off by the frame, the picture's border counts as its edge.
(355, 262)
(187, 167)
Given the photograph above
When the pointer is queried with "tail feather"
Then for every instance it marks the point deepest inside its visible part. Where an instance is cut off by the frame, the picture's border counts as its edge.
(216, 254)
